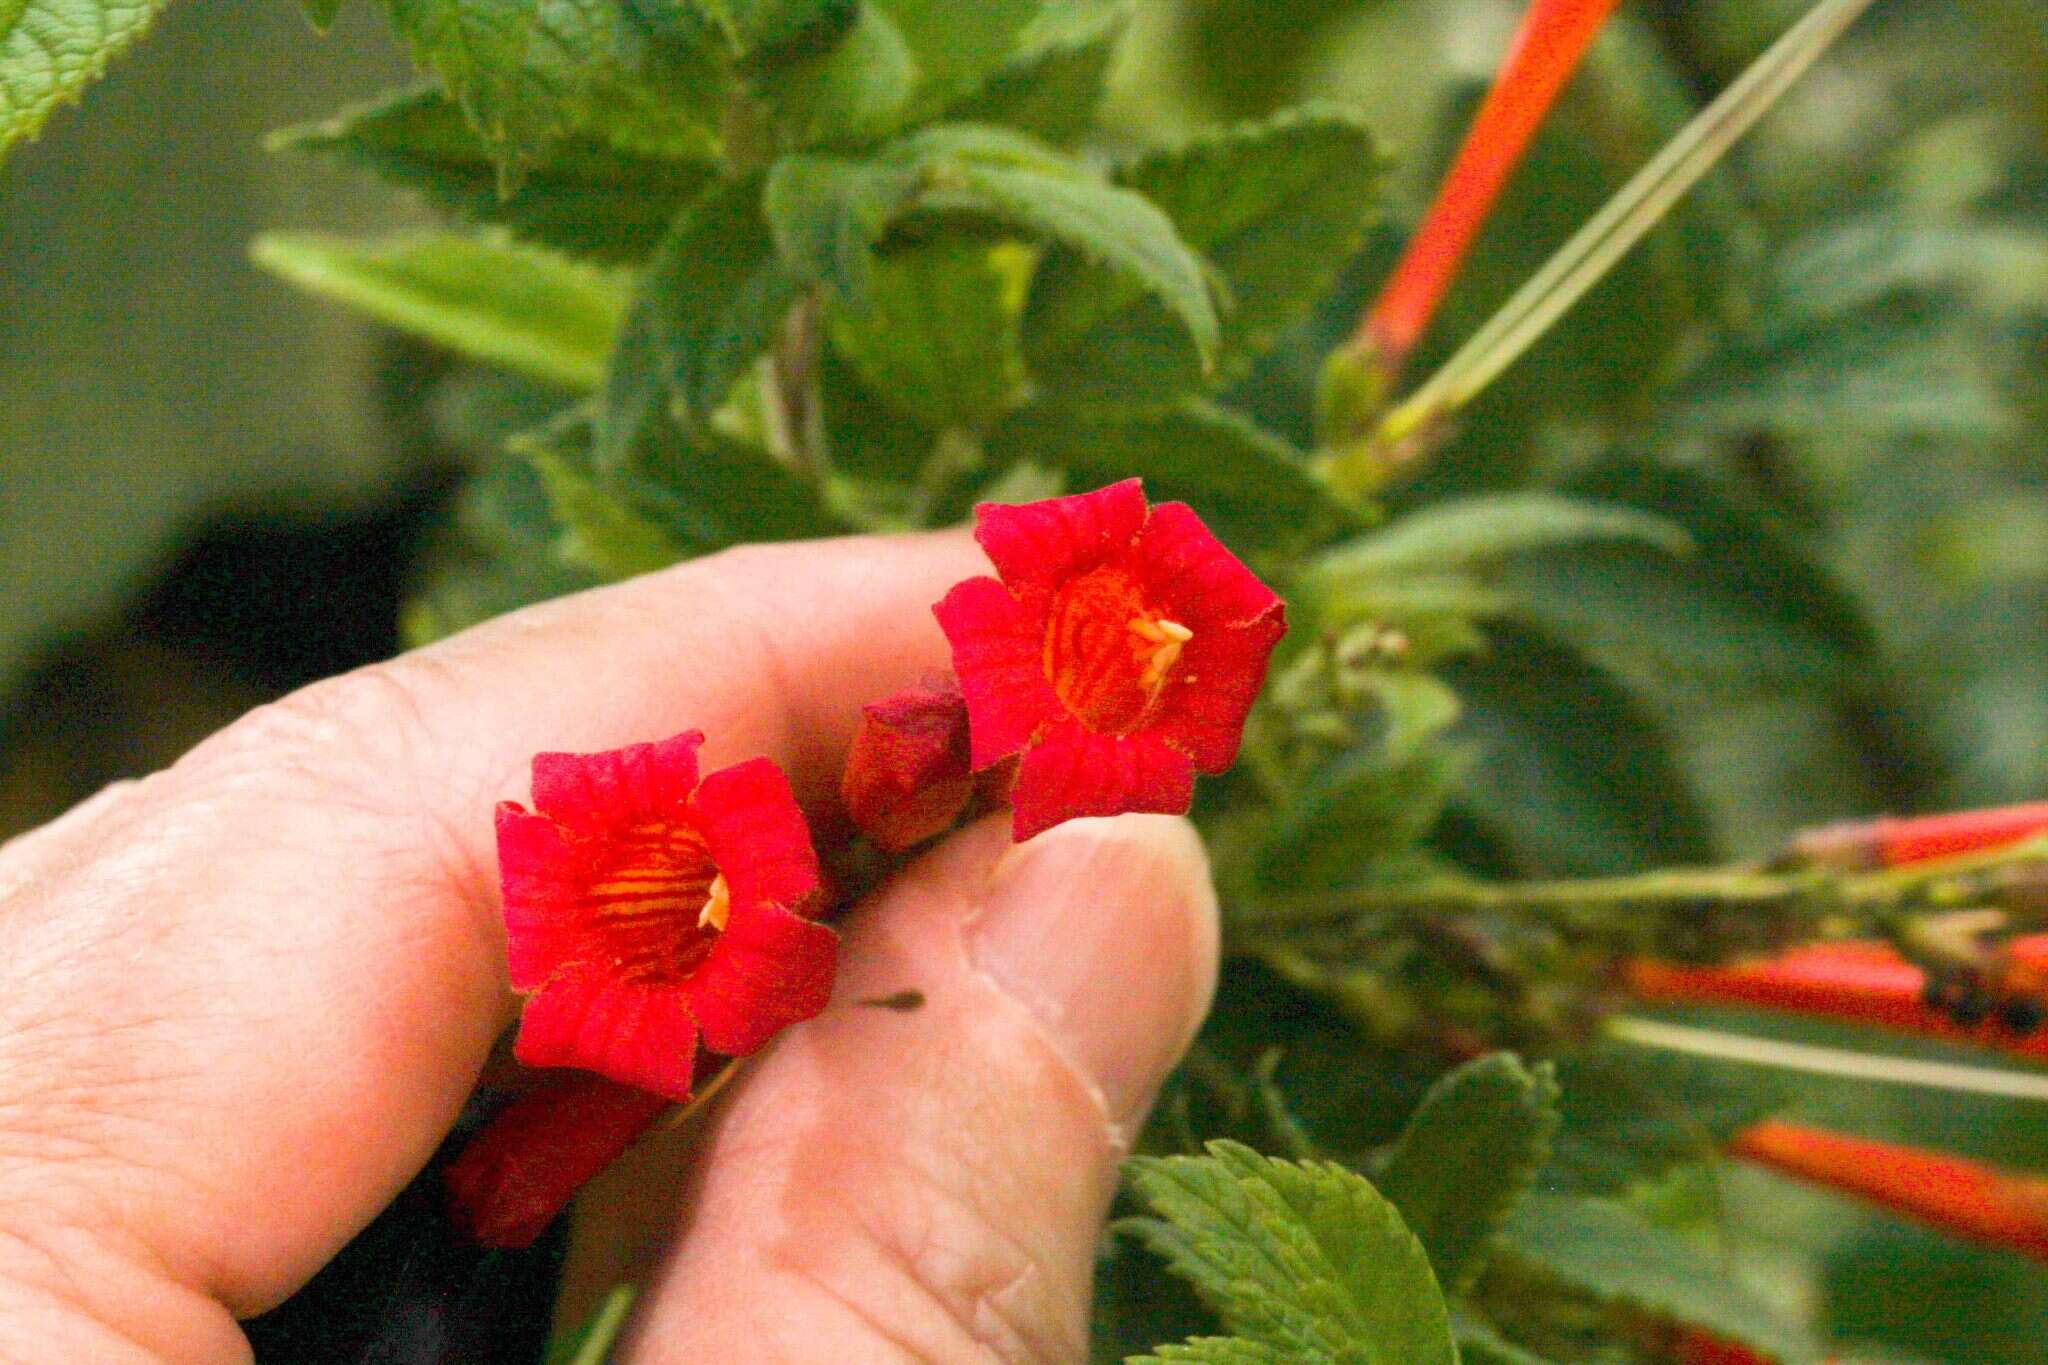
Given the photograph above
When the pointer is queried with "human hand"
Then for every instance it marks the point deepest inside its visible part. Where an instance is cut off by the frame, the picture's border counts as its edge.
(246, 997)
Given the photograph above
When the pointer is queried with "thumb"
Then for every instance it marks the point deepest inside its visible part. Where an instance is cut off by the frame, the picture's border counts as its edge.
(897, 1183)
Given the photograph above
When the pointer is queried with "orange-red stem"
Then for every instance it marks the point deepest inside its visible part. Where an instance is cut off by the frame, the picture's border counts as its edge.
(1898, 842)
(1546, 51)
(1983, 1203)
(1861, 982)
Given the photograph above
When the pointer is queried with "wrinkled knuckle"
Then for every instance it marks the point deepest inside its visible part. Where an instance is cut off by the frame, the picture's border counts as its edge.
(342, 731)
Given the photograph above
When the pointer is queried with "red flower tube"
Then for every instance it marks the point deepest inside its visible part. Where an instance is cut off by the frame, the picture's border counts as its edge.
(1547, 48)
(648, 911)
(1120, 652)
(1983, 1203)
(1900, 842)
(528, 1162)
(1863, 983)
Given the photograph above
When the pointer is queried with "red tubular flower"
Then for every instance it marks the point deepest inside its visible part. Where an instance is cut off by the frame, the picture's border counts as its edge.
(1121, 652)
(1968, 1198)
(648, 911)
(907, 775)
(516, 1175)
(1546, 50)
(1893, 842)
(1863, 983)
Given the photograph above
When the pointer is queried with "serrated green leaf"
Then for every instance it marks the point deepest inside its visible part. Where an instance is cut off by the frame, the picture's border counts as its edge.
(1304, 1257)
(1250, 485)
(1222, 1351)
(935, 330)
(1016, 180)
(52, 49)
(1572, 775)
(957, 45)
(580, 194)
(1602, 1250)
(858, 89)
(1476, 532)
(827, 212)
(1275, 208)
(1469, 1155)
(524, 309)
(1053, 88)
(698, 490)
(707, 308)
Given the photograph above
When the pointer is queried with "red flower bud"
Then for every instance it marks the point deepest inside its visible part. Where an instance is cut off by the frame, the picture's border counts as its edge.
(907, 775)
(1892, 842)
(646, 910)
(1120, 652)
(527, 1163)
(1968, 1198)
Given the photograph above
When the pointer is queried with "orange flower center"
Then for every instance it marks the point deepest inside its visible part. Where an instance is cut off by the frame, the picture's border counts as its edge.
(659, 902)
(1107, 654)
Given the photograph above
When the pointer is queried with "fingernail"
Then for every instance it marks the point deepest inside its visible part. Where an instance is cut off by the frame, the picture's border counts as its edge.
(1106, 931)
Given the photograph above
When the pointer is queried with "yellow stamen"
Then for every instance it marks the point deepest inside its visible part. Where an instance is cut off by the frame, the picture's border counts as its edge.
(717, 905)
(1167, 639)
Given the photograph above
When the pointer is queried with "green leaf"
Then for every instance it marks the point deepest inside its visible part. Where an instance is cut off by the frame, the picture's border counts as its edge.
(1477, 532)
(1218, 1351)
(1572, 775)
(321, 12)
(1632, 1114)
(525, 309)
(935, 329)
(706, 309)
(1469, 1155)
(1052, 89)
(1480, 1344)
(1250, 485)
(1304, 1257)
(1275, 207)
(1605, 1252)
(1026, 184)
(827, 213)
(1749, 608)
(580, 194)
(957, 45)
(693, 490)
(51, 49)
(857, 90)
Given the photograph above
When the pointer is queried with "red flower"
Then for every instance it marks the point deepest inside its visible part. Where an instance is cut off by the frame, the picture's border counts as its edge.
(523, 1168)
(907, 775)
(648, 911)
(1121, 651)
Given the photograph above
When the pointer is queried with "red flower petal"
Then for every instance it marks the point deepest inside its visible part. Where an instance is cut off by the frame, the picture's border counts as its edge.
(999, 653)
(907, 775)
(768, 970)
(537, 873)
(757, 835)
(1193, 577)
(639, 1035)
(1203, 709)
(528, 1162)
(1040, 543)
(1075, 772)
(618, 786)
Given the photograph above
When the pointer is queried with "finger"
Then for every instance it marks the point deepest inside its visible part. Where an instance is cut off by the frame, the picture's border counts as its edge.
(923, 1184)
(249, 995)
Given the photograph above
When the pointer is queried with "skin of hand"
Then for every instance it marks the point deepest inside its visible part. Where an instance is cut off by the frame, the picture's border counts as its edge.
(244, 999)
